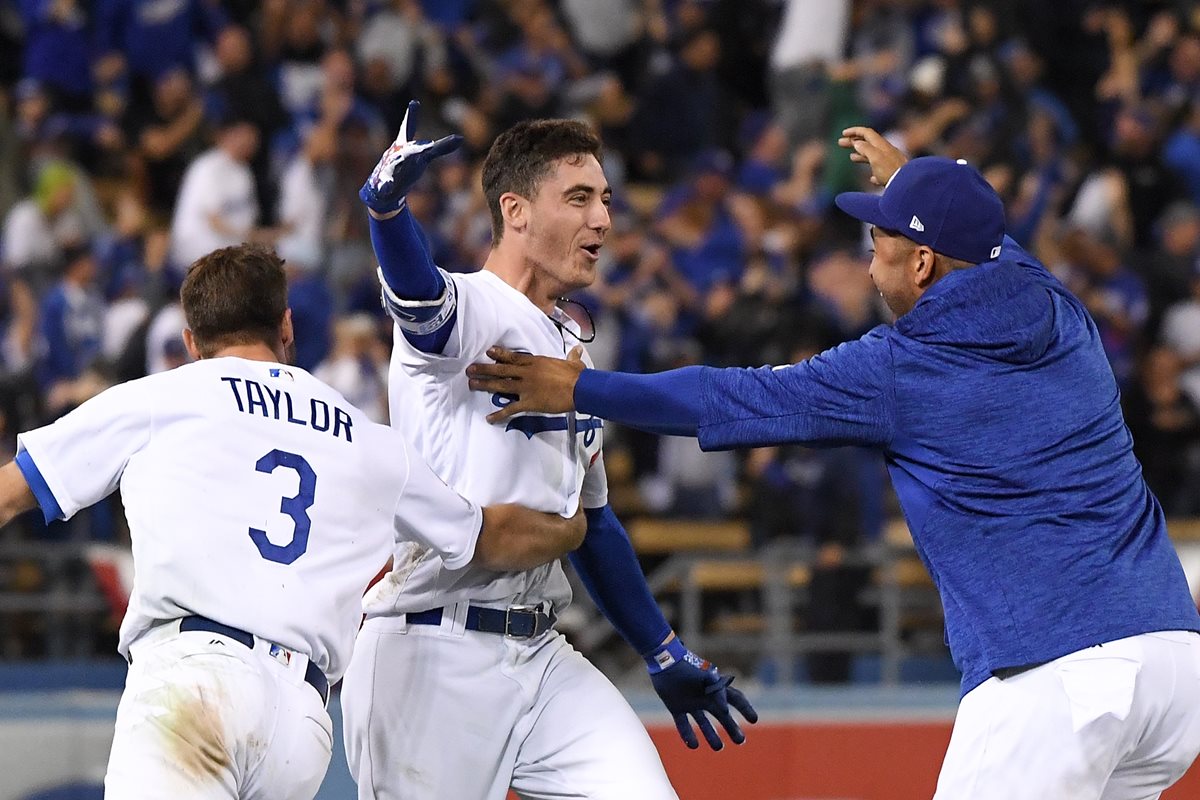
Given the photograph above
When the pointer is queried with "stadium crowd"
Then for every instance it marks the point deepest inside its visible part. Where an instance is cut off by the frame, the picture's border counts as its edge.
(136, 135)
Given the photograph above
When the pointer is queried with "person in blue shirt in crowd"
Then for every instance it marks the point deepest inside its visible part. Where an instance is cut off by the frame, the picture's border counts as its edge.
(153, 37)
(57, 49)
(991, 398)
(72, 322)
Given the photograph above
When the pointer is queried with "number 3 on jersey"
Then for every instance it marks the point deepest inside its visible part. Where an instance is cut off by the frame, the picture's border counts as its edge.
(295, 507)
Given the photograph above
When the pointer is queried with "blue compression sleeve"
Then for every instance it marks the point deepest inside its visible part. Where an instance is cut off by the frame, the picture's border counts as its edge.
(610, 570)
(403, 258)
(664, 402)
(410, 275)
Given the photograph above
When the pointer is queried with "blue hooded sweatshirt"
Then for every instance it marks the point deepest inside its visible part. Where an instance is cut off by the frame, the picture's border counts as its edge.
(1001, 426)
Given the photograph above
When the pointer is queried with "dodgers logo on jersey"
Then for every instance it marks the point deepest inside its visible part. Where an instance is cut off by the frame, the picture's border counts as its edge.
(533, 425)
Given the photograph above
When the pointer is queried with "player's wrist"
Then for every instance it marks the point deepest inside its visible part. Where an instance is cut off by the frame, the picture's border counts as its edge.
(384, 216)
(666, 655)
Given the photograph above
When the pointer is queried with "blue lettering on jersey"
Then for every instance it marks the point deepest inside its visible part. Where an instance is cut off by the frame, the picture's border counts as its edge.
(320, 414)
(263, 400)
(531, 426)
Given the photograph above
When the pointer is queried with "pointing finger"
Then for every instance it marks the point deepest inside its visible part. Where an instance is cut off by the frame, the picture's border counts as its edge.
(408, 127)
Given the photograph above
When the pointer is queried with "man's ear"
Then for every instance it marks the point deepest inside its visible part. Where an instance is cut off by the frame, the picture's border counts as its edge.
(189, 342)
(924, 266)
(515, 210)
(287, 333)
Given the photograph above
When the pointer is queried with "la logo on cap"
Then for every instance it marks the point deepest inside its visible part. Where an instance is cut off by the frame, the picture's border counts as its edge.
(916, 224)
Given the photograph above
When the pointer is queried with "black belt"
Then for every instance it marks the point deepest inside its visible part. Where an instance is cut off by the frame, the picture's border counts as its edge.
(515, 622)
(312, 674)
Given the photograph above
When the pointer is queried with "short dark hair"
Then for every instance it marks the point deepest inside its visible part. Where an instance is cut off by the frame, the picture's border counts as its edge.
(234, 295)
(523, 155)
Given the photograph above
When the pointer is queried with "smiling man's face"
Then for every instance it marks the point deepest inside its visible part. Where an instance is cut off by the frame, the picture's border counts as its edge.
(568, 221)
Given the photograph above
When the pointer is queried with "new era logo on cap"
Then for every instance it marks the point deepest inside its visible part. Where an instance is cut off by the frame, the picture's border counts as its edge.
(943, 204)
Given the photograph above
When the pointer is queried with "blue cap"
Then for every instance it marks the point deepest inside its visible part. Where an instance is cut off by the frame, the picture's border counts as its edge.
(938, 202)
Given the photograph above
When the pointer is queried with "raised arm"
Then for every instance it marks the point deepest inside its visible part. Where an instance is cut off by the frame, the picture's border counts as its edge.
(416, 294)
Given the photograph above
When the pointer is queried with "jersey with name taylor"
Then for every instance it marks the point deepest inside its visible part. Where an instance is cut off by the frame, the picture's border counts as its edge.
(546, 462)
(256, 496)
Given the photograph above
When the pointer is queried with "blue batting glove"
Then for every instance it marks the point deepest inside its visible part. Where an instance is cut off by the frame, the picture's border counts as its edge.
(687, 685)
(403, 164)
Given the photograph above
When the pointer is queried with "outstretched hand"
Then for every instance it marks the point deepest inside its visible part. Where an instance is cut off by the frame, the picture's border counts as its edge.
(692, 687)
(402, 165)
(868, 146)
(528, 382)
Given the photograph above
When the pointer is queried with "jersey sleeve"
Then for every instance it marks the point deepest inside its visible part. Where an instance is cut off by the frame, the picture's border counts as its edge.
(476, 328)
(432, 514)
(80, 457)
(845, 395)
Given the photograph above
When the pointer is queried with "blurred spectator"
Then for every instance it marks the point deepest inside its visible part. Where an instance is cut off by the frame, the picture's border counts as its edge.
(1181, 333)
(72, 327)
(1114, 295)
(164, 340)
(292, 38)
(397, 45)
(57, 49)
(1165, 425)
(169, 136)
(1151, 186)
(812, 37)
(1182, 152)
(303, 198)
(217, 205)
(357, 366)
(39, 227)
(1168, 267)
(147, 38)
(608, 33)
(682, 110)
(687, 481)
(244, 91)
(697, 221)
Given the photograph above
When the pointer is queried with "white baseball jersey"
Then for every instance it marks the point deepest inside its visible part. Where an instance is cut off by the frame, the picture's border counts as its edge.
(256, 496)
(546, 462)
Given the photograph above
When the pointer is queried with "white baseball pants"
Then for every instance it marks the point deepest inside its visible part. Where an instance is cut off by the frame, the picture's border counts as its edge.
(444, 712)
(203, 717)
(1119, 721)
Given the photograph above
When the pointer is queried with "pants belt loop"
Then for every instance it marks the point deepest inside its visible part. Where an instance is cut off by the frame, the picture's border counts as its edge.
(454, 619)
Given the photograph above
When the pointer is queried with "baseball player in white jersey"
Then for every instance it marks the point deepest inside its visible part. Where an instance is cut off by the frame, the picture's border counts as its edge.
(460, 687)
(260, 505)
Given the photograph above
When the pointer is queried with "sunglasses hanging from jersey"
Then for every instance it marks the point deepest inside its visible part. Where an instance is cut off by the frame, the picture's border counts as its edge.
(578, 312)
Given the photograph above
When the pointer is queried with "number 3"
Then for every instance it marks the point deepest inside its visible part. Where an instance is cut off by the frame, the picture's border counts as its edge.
(295, 507)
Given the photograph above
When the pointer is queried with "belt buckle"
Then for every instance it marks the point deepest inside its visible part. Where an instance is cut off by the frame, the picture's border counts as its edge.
(508, 616)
